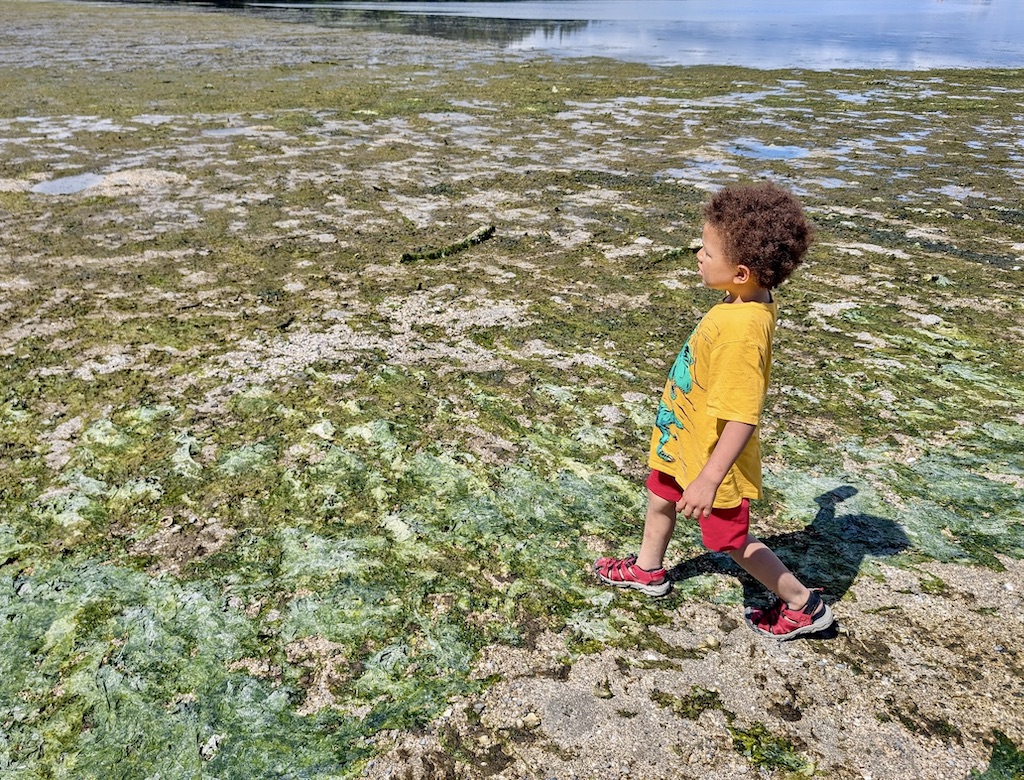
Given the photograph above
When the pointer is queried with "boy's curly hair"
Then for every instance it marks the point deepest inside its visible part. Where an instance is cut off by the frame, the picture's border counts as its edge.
(762, 227)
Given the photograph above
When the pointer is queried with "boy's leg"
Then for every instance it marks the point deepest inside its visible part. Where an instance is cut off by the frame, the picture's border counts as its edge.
(630, 572)
(797, 611)
(659, 524)
(758, 560)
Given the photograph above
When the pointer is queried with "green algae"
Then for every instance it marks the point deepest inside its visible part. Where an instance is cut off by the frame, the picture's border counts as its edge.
(1007, 762)
(764, 750)
(691, 705)
(767, 751)
(916, 721)
(105, 656)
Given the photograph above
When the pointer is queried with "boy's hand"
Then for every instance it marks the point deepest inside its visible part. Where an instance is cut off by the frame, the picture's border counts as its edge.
(699, 496)
(698, 499)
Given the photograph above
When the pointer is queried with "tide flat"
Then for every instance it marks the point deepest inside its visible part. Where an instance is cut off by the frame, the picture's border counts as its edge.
(279, 504)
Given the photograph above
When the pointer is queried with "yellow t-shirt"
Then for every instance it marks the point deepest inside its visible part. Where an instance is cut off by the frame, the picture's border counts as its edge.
(721, 374)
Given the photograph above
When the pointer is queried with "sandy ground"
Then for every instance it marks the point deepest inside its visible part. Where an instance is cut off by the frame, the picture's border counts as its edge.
(889, 696)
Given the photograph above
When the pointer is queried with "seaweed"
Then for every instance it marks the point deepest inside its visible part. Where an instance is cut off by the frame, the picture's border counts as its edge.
(478, 236)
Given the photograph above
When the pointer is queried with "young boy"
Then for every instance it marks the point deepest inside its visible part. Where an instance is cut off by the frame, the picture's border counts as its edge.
(705, 455)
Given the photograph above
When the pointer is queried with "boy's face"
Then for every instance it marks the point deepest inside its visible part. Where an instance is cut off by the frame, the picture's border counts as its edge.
(716, 270)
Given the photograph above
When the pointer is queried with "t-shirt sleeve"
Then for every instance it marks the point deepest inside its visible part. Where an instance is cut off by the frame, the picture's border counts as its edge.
(737, 381)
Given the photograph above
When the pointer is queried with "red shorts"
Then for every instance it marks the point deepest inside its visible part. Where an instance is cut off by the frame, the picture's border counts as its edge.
(722, 530)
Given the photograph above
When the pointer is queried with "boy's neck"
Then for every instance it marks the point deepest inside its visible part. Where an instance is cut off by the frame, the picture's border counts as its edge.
(748, 293)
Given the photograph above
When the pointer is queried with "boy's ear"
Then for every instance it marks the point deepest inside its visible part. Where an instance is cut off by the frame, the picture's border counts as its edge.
(743, 274)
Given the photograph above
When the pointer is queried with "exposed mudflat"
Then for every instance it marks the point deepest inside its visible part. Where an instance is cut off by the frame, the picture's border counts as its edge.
(277, 503)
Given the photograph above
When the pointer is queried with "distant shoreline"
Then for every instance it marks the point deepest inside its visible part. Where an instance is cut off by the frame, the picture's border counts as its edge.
(915, 35)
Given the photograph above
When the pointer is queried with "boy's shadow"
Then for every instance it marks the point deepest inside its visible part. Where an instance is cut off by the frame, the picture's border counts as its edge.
(827, 553)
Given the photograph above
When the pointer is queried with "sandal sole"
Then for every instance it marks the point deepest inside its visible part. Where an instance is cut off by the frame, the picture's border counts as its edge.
(649, 590)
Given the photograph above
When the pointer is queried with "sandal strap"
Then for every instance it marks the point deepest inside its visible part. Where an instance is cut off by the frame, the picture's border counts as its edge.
(623, 570)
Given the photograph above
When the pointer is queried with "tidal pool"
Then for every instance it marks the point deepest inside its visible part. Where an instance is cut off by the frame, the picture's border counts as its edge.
(748, 147)
(66, 185)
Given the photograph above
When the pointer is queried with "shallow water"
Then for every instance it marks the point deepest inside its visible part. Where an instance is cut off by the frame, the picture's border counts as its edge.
(912, 35)
(67, 185)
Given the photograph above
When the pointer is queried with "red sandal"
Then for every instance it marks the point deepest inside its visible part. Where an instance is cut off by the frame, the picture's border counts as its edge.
(624, 573)
(782, 623)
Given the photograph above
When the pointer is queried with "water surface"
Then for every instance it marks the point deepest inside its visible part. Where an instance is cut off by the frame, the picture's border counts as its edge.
(909, 35)
(68, 185)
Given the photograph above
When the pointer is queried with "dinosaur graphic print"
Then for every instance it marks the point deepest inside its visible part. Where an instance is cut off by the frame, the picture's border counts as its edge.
(680, 379)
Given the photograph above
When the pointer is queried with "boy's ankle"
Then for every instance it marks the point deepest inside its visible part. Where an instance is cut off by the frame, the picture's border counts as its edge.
(640, 563)
(810, 605)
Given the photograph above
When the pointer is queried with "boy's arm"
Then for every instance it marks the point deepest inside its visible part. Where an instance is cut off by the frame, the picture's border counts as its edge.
(699, 497)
